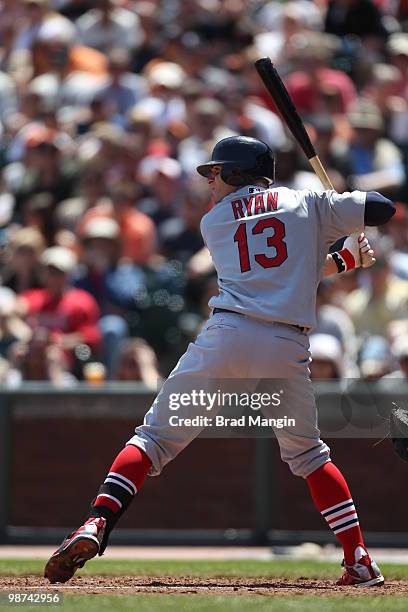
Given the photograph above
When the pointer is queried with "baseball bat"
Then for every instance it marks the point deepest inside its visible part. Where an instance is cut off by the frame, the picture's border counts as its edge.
(283, 102)
(279, 94)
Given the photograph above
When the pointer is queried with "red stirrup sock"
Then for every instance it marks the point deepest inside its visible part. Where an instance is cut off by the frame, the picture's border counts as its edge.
(124, 480)
(332, 498)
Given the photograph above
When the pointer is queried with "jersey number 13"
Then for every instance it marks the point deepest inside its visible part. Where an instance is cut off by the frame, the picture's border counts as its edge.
(276, 241)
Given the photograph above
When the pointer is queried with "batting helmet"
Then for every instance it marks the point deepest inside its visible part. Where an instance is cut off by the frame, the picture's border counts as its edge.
(242, 159)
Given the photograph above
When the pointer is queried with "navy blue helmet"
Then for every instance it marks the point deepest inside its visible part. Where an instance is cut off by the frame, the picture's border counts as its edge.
(243, 160)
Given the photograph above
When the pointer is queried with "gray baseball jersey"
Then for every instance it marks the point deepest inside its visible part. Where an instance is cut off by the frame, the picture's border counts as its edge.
(269, 247)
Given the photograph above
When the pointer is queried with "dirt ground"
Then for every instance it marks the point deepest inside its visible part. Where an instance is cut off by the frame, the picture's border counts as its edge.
(130, 585)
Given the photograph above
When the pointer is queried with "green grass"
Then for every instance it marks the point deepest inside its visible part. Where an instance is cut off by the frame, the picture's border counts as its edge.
(242, 604)
(350, 602)
(200, 603)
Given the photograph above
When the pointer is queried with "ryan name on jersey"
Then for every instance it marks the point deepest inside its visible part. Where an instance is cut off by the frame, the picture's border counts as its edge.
(256, 204)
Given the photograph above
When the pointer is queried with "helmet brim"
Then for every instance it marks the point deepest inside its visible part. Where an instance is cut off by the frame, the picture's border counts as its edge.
(205, 169)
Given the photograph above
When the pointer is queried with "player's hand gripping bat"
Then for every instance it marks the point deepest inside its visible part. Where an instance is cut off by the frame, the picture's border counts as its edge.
(287, 110)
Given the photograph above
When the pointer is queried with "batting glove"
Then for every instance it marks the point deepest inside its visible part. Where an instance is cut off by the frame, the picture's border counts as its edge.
(356, 252)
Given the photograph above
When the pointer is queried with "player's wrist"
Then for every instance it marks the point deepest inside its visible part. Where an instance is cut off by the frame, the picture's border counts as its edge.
(344, 260)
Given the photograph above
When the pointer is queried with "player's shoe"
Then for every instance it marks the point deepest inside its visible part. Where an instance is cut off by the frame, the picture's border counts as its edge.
(80, 546)
(364, 572)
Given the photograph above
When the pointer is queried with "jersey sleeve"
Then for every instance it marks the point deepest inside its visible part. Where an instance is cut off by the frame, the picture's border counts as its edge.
(339, 214)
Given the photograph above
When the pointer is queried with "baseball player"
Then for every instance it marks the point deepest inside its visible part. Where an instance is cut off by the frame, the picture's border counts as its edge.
(269, 248)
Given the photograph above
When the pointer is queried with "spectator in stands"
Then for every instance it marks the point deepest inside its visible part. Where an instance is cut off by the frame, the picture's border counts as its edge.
(162, 176)
(379, 301)
(375, 162)
(163, 103)
(332, 320)
(91, 184)
(362, 18)
(12, 327)
(107, 26)
(141, 124)
(288, 173)
(35, 14)
(113, 285)
(21, 269)
(148, 299)
(8, 96)
(325, 131)
(375, 358)
(40, 359)
(277, 42)
(100, 240)
(397, 230)
(327, 357)
(181, 237)
(70, 315)
(384, 86)
(38, 212)
(246, 115)
(207, 123)
(122, 89)
(309, 84)
(153, 39)
(68, 214)
(12, 13)
(44, 169)
(56, 51)
(397, 47)
(4, 372)
(400, 352)
(137, 363)
(138, 233)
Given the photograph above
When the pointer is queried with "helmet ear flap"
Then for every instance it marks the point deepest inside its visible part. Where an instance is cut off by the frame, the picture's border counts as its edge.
(232, 176)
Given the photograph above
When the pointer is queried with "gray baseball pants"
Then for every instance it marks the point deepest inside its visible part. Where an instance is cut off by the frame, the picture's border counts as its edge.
(238, 352)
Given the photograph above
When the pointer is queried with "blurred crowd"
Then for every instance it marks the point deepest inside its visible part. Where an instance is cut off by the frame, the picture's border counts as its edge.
(106, 108)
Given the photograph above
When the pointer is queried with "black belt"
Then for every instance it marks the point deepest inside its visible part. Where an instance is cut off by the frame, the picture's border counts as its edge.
(217, 310)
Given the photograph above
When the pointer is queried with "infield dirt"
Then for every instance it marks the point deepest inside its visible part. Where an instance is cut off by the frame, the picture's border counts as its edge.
(129, 585)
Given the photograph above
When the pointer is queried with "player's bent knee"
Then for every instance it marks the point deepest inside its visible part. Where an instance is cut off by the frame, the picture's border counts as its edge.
(159, 448)
(306, 462)
(157, 455)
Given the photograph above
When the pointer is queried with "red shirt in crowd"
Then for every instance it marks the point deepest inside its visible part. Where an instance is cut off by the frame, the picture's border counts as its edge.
(305, 90)
(76, 311)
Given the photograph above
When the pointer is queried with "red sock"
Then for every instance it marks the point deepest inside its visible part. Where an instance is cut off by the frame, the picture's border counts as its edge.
(332, 498)
(124, 480)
